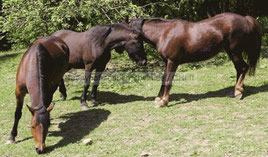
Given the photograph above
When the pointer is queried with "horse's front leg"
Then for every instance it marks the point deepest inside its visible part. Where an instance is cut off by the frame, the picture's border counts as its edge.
(97, 77)
(19, 98)
(161, 91)
(86, 86)
(168, 77)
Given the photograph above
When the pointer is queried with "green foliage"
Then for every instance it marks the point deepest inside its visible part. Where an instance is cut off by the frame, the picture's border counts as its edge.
(26, 21)
(263, 23)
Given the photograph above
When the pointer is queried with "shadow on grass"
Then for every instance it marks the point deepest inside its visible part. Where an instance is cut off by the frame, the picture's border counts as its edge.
(27, 138)
(115, 98)
(225, 92)
(78, 125)
(8, 56)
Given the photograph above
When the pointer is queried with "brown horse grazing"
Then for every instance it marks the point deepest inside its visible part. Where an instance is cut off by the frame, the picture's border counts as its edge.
(179, 41)
(39, 74)
(91, 50)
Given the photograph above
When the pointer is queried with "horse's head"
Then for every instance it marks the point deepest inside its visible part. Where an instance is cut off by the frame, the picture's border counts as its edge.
(137, 36)
(134, 47)
(39, 126)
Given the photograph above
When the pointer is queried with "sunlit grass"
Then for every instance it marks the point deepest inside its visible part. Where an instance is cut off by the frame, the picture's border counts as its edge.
(200, 120)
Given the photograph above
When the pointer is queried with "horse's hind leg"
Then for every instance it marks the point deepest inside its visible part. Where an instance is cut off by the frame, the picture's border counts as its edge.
(19, 98)
(62, 90)
(241, 68)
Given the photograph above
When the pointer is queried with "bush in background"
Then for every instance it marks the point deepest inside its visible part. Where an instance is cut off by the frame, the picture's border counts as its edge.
(24, 21)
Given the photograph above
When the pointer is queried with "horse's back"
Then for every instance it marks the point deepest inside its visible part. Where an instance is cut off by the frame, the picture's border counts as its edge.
(62, 33)
(73, 39)
(232, 22)
(222, 26)
(204, 39)
(79, 45)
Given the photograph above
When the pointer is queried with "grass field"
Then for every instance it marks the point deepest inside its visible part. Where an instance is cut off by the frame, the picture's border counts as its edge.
(199, 121)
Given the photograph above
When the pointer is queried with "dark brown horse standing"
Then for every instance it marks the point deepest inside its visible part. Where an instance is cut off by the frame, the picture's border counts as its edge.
(91, 50)
(39, 74)
(179, 41)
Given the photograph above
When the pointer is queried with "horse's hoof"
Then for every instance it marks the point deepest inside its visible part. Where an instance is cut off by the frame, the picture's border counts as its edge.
(238, 95)
(160, 103)
(164, 102)
(84, 106)
(94, 103)
(10, 140)
(157, 100)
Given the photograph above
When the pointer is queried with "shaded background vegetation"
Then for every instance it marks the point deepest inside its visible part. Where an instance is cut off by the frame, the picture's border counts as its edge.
(24, 21)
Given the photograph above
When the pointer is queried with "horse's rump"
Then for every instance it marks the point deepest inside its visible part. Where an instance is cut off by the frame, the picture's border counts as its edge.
(252, 53)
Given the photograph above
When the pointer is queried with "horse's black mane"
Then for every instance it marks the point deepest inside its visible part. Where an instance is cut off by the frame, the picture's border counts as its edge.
(98, 34)
(43, 61)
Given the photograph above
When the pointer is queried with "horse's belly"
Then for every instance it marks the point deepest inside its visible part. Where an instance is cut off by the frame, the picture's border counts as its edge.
(76, 63)
(200, 55)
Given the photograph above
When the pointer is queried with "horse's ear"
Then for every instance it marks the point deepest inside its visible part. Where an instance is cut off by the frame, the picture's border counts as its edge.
(31, 109)
(50, 107)
(125, 20)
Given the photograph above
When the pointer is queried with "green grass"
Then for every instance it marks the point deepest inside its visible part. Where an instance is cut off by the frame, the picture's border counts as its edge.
(200, 120)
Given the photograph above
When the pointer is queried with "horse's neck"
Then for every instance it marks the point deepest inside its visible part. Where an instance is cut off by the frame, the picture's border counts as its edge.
(35, 98)
(115, 39)
(151, 33)
(36, 102)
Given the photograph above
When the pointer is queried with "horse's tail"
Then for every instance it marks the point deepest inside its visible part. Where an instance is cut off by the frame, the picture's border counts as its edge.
(44, 60)
(254, 47)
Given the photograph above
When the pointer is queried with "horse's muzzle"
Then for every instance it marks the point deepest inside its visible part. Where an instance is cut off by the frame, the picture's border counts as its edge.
(39, 151)
(142, 63)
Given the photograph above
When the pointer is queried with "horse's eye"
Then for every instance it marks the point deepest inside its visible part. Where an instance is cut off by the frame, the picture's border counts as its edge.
(33, 127)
